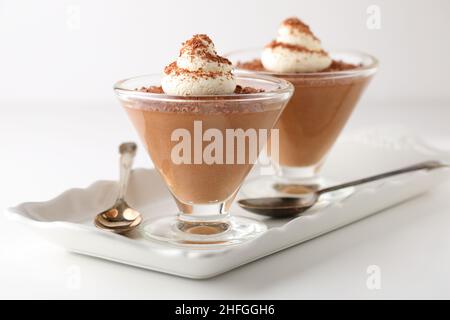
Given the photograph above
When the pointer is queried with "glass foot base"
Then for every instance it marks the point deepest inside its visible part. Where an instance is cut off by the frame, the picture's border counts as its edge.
(275, 186)
(231, 231)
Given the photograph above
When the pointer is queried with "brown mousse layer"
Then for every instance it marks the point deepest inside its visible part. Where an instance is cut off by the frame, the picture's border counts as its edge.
(197, 181)
(336, 65)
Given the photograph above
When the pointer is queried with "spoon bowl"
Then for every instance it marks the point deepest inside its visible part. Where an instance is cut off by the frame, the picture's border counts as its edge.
(117, 227)
(278, 207)
(121, 217)
(283, 207)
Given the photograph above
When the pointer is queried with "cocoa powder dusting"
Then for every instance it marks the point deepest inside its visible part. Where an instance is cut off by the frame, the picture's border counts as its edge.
(174, 69)
(297, 24)
(336, 65)
(246, 90)
(275, 44)
(239, 90)
(151, 89)
(196, 46)
(195, 43)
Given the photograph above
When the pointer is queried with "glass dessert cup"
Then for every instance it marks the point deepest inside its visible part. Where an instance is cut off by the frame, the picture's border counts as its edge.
(203, 187)
(310, 124)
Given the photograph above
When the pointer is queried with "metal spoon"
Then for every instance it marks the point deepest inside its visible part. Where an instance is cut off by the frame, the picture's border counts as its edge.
(121, 218)
(283, 207)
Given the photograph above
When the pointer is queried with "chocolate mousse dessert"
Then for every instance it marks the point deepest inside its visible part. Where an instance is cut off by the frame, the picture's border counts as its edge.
(198, 71)
(327, 88)
(188, 120)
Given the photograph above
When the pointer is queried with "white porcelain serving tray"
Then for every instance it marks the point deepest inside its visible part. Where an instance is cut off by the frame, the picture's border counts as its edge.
(67, 219)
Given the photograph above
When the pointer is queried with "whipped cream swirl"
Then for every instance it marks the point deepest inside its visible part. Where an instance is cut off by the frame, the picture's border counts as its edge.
(296, 49)
(199, 70)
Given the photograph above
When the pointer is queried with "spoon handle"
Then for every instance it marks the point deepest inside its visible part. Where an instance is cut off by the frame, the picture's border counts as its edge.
(427, 165)
(127, 152)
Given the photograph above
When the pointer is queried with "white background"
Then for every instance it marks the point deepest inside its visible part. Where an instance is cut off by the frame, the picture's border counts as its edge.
(60, 125)
(50, 52)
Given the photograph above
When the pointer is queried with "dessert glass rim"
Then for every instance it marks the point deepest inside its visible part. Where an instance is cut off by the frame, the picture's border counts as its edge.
(282, 87)
(367, 69)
